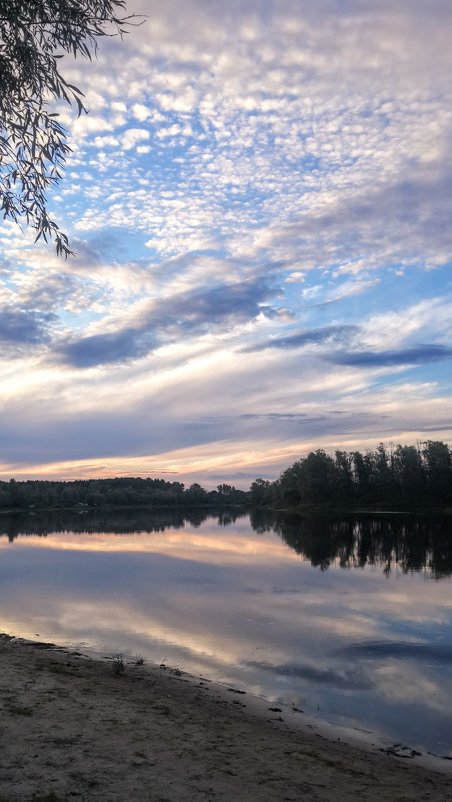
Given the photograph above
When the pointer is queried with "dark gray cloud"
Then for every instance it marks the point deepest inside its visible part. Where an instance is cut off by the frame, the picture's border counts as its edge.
(224, 305)
(414, 355)
(106, 348)
(24, 326)
(307, 337)
(283, 417)
(238, 476)
(184, 314)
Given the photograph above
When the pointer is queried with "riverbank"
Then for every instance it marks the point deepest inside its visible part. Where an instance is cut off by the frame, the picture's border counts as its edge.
(94, 730)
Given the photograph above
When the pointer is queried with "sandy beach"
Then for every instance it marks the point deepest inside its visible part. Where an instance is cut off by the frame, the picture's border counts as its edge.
(77, 728)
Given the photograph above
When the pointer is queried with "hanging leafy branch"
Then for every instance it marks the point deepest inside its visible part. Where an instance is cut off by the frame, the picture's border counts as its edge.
(34, 37)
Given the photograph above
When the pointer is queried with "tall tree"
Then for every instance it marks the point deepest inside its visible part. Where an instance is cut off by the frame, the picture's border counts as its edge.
(362, 470)
(385, 489)
(260, 491)
(318, 478)
(438, 465)
(409, 473)
(290, 488)
(344, 476)
(34, 35)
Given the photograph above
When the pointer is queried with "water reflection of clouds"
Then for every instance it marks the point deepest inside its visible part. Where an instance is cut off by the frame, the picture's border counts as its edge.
(314, 610)
(341, 677)
(211, 547)
(359, 612)
(238, 607)
(410, 684)
(377, 650)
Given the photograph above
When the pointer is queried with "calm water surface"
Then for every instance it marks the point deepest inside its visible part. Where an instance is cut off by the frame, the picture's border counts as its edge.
(351, 620)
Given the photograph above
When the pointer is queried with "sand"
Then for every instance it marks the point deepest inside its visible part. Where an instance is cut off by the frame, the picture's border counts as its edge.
(77, 728)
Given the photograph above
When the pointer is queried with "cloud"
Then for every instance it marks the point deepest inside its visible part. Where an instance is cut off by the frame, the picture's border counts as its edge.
(402, 221)
(24, 327)
(132, 136)
(331, 334)
(100, 349)
(414, 355)
(349, 678)
(179, 316)
(381, 650)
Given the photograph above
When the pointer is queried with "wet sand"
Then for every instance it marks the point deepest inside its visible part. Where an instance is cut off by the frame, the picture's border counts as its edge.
(82, 729)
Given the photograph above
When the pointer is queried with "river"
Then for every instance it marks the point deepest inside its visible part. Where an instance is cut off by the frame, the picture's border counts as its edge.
(349, 620)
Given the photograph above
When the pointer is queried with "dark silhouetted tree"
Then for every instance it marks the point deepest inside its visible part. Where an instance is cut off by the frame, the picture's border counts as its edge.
(384, 482)
(260, 492)
(344, 476)
(362, 470)
(318, 478)
(409, 473)
(406, 475)
(438, 468)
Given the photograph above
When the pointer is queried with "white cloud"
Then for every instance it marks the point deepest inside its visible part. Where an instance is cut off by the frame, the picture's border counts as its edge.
(141, 112)
(132, 136)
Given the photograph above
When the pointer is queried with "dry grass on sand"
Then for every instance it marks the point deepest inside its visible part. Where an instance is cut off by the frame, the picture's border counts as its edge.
(72, 728)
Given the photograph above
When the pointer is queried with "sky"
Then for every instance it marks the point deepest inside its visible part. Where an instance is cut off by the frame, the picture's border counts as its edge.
(260, 202)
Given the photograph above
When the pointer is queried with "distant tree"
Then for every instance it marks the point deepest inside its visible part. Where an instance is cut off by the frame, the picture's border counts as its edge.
(34, 35)
(67, 496)
(362, 470)
(225, 490)
(438, 465)
(384, 482)
(95, 499)
(318, 478)
(344, 476)
(260, 491)
(289, 484)
(230, 495)
(177, 489)
(409, 473)
(5, 499)
(195, 494)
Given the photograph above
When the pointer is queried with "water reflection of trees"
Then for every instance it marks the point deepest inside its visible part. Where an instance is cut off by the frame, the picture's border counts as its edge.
(119, 522)
(404, 543)
(392, 542)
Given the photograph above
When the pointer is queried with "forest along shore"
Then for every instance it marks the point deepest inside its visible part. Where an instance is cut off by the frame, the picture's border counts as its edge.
(73, 728)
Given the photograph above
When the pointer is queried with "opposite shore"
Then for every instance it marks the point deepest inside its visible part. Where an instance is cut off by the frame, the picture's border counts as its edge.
(80, 728)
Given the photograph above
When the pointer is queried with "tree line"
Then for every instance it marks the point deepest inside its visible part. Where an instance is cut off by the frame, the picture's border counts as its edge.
(402, 475)
(117, 492)
(397, 477)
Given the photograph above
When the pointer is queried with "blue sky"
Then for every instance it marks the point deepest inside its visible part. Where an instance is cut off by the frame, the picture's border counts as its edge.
(260, 201)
